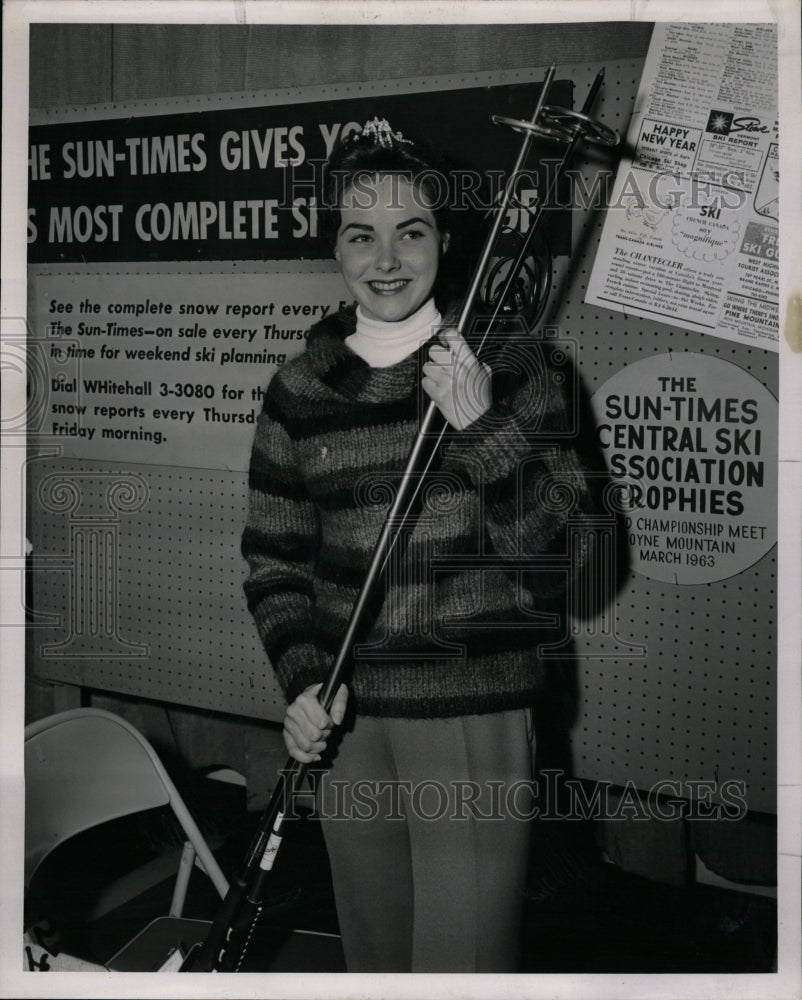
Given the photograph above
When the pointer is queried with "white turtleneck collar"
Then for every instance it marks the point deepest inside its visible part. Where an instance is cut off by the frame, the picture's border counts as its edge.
(383, 344)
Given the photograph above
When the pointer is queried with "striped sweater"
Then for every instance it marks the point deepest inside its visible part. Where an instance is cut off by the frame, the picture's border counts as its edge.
(464, 606)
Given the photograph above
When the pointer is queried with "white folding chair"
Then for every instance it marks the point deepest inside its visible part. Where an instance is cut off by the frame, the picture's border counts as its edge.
(85, 767)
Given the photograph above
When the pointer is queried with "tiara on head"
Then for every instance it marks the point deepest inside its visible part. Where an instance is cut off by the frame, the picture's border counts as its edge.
(379, 132)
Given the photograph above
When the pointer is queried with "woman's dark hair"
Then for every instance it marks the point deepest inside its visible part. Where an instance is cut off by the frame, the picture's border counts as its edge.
(376, 151)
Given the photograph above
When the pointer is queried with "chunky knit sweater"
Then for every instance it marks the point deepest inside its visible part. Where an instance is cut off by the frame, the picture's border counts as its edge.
(469, 598)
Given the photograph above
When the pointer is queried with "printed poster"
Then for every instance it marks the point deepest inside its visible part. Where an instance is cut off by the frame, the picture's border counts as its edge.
(691, 235)
(166, 369)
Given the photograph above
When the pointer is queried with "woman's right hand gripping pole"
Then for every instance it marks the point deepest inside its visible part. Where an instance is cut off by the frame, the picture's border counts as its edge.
(307, 725)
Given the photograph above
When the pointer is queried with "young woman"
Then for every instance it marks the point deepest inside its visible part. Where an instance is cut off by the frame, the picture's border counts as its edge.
(427, 748)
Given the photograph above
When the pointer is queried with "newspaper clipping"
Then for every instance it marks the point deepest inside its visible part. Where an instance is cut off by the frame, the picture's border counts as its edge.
(693, 236)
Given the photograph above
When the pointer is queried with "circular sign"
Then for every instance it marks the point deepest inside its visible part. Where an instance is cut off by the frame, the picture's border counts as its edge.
(691, 445)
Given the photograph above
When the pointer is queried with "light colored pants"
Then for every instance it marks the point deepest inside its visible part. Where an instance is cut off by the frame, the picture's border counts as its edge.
(427, 828)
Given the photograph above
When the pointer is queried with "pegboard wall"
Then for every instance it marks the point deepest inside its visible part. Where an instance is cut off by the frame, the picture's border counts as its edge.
(180, 631)
(698, 702)
(685, 692)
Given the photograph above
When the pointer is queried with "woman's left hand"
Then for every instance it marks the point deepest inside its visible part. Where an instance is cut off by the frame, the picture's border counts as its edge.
(457, 380)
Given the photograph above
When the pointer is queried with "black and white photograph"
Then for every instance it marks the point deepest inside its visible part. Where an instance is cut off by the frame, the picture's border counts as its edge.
(402, 499)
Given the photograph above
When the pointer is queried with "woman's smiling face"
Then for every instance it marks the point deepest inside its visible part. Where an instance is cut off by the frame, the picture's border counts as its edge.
(388, 246)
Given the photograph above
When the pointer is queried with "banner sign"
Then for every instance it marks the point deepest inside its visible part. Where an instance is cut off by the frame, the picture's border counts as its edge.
(246, 183)
(692, 442)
